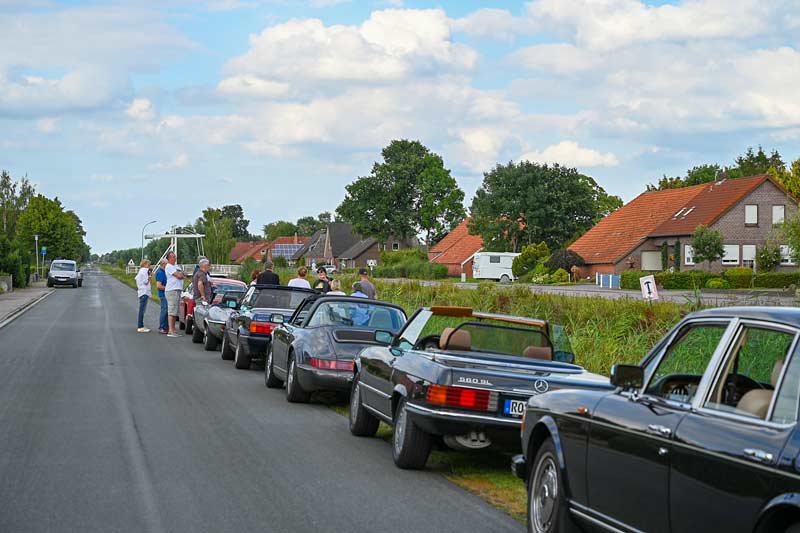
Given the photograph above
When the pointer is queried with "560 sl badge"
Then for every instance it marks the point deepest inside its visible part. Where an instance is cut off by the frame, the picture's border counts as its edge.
(474, 381)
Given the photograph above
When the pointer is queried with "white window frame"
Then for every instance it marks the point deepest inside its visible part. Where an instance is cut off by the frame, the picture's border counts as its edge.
(786, 255)
(749, 256)
(782, 211)
(688, 255)
(751, 215)
(727, 256)
(395, 246)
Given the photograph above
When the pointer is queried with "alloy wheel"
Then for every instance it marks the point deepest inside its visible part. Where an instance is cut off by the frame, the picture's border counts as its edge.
(290, 377)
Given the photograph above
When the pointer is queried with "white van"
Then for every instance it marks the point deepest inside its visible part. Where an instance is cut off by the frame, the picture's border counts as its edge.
(493, 265)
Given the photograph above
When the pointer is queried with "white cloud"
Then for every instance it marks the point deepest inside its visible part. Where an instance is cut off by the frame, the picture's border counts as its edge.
(247, 85)
(492, 23)
(141, 109)
(559, 58)
(47, 125)
(569, 153)
(178, 162)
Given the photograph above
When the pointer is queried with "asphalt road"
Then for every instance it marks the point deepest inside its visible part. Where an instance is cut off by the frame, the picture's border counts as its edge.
(106, 429)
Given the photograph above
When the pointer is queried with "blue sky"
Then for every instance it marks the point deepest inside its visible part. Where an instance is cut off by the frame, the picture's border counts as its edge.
(135, 111)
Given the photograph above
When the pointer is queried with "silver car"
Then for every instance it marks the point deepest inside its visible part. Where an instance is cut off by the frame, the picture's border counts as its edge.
(210, 319)
(64, 272)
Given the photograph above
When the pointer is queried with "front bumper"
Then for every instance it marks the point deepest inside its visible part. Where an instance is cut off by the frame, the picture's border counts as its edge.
(62, 281)
(315, 379)
(448, 422)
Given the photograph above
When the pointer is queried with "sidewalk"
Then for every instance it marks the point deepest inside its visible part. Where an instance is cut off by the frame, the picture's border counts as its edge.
(13, 303)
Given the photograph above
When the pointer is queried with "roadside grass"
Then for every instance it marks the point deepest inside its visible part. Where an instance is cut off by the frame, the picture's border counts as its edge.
(128, 279)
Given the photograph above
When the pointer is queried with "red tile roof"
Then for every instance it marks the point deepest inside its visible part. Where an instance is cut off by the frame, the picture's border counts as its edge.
(254, 251)
(672, 212)
(240, 248)
(289, 240)
(456, 247)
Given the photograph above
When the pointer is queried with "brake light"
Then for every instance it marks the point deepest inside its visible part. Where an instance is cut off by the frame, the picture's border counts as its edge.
(482, 400)
(331, 364)
(261, 327)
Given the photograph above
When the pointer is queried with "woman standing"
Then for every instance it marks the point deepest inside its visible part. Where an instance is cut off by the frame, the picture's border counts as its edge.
(300, 280)
(143, 291)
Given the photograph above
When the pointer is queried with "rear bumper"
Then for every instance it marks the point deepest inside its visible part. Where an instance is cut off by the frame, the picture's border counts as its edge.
(519, 466)
(255, 346)
(315, 379)
(447, 422)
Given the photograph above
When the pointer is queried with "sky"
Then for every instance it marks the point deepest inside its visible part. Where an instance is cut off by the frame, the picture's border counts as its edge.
(154, 110)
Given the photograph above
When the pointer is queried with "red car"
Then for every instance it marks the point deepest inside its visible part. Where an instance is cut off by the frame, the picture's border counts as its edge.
(186, 309)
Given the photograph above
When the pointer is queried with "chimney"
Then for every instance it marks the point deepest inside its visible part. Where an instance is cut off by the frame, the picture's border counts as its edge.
(295, 237)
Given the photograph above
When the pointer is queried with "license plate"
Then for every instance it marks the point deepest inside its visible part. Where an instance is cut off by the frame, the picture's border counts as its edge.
(514, 408)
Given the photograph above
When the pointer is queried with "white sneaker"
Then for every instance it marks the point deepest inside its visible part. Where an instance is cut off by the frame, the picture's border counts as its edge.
(143, 330)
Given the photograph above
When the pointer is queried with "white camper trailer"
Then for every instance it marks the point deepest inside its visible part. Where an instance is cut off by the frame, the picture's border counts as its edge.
(493, 265)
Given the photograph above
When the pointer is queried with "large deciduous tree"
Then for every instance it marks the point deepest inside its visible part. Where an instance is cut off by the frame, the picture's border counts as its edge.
(279, 228)
(409, 193)
(239, 224)
(218, 235)
(522, 203)
(59, 230)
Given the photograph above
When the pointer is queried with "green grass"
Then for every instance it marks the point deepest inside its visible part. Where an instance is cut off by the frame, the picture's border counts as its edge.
(128, 279)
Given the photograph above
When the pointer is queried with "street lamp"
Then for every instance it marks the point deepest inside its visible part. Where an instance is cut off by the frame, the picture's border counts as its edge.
(36, 277)
(143, 227)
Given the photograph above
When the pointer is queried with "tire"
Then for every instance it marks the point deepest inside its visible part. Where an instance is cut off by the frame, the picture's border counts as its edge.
(197, 335)
(270, 380)
(189, 325)
(411, 446)
(362, 422)
(505, 279)
(80, 284)
(75, 285)
(546, 502)
(226, 352)
(49, 285)
(241, 360)
(294, 393)
(209, 341)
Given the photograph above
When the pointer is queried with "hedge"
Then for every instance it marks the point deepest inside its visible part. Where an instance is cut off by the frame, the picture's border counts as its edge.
(676, 280)
(776, 280)
(736, 278)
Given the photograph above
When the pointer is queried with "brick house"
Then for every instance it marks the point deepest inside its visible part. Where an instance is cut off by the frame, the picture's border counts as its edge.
(326, 245)
(263, 250)
(370, 249)
(456, 249)
(744, 210)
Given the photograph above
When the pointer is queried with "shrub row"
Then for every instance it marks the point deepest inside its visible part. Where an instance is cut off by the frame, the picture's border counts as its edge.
(411, 269)
(734, 278)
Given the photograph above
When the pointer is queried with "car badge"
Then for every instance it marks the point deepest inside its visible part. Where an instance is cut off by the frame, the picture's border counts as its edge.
(540, 386)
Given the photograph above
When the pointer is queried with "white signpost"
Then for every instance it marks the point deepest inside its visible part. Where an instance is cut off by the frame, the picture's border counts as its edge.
(649, 290)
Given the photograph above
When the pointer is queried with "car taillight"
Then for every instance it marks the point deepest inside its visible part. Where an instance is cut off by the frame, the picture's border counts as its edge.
(482, 400)
(261, 327)
(331, 364)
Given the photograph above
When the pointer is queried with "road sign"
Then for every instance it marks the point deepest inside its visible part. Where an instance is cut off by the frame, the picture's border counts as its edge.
(44, 250)
(649, 290)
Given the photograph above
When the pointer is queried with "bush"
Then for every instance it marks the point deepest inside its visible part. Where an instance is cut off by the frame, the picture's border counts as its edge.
(687, 280)
(559, 276)
(716, 283)
(539, 275)
(565, 259)
(246, 269)
(280, 262)
(409, 263)
(768, 257)
(531, 255)
(776, 280)
(388, 257)
(739, 277)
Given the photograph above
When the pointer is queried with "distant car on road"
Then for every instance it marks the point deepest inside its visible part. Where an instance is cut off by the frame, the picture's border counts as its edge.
(462, 375)
(209, 320)
(64, 272)
(314, 350)
(248, 332)
(702, 435)
(186, 308)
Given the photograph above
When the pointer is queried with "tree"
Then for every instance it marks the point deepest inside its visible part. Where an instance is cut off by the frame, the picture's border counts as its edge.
(676, 255)
(753, 163)
(218, 236)
(521, 203)
(565, 259)
(789, 178)
(239, 224)
(308, 225)
(664, 255)
(279, 228)
(531, 255)
(408, 193)
(59, 230)
(707, 245)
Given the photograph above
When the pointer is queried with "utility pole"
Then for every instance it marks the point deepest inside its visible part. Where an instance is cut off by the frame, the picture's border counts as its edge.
(151, 222)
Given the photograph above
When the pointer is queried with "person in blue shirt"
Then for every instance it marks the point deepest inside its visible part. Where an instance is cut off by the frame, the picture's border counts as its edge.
(360, 314)
(161, 283)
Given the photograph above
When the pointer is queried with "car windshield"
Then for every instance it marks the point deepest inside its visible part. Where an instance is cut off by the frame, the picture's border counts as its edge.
(279, 298)
(343, 313)
(63, 267)
(222, 286)
(459, 334)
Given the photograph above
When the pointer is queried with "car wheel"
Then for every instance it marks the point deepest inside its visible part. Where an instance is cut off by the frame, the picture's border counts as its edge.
(269, 375)
(411, 446)
(504, 278)
(241, 360)
(226, 352)
(362, 422)
(181, 323)
(80, 284)
(197, 335)
(189, 325)
(49, 285)
(294, 393)
(209, 341)
(75, 285)
(545, 491)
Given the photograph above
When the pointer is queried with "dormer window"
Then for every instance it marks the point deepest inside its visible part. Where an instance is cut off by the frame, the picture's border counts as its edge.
(687, 212)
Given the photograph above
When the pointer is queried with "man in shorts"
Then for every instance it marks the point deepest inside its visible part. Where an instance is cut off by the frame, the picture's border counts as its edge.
(173, 291)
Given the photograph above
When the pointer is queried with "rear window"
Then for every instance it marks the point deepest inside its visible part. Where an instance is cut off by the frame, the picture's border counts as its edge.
(358, 314)
(63, 267)
(280, 298)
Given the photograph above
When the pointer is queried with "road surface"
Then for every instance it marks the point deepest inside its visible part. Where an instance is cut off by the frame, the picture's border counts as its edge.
(106, 429)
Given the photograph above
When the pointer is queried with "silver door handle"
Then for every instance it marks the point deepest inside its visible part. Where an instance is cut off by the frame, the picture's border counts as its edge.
(759, 455)
(657, 429)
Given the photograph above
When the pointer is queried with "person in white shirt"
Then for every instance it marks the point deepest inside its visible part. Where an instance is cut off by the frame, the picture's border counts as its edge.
(336, 289)
(143, 291)
(300, 280)
(173, 291)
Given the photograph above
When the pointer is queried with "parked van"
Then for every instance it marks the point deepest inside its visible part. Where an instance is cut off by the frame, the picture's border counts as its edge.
(493, 265)
(64, 272)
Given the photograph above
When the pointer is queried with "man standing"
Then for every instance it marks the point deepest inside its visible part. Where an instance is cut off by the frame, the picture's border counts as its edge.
(366, 285)
(161, 285)
(322, 284)
(201, 288)
(268, 277)
(173, 291)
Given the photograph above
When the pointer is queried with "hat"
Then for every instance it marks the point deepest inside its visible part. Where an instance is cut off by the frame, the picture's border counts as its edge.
(268, 264)
(363, 272)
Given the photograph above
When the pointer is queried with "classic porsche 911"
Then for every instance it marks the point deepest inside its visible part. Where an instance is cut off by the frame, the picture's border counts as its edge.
(209, 320)
(462, 375)
(314, 350)
(701, 436)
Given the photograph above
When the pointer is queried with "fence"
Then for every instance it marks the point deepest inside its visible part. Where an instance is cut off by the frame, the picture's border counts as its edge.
(610, 281)
(222, 270)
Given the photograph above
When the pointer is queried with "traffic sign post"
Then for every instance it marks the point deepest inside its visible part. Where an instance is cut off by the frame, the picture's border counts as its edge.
(649, 289)
(44, 252)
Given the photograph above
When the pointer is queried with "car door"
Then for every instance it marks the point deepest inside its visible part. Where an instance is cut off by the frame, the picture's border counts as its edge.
(725, 466)
(285, 337)
(630, 438)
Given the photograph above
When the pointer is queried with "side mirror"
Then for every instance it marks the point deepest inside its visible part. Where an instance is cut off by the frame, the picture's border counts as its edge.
(627, 377)
(384, 337)
(277, 318)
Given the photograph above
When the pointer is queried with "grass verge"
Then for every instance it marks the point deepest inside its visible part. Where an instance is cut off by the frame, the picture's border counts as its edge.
(128, 279)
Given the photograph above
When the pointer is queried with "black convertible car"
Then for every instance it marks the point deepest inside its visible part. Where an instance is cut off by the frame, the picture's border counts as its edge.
(461, 375)
(315, 348)
(248, 332)
(701, 436)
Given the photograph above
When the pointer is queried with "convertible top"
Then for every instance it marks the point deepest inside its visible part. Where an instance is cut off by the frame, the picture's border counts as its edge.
(468, 312)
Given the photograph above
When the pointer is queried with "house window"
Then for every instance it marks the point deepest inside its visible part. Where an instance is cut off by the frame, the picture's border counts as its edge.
(395, 246)
(688, 255)
(751, 215)
(748, 255)
(778, 212)
(494, 259)
(731, 254)
(786, 255)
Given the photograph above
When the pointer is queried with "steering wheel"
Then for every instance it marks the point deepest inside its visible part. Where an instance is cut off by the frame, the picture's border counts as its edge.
(428, 342)
(737, 385)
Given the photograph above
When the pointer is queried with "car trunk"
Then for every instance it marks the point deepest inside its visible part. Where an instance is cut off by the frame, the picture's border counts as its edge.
(347, 342)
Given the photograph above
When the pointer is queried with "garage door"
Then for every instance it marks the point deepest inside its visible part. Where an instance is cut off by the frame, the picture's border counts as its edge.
(651, 260)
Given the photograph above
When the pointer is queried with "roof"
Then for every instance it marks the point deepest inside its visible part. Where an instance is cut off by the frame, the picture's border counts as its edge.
(671, 212)
(240, 248)
(358, 248)
(341, 236)
(312, 244)
(254, 251)
(456, 246)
